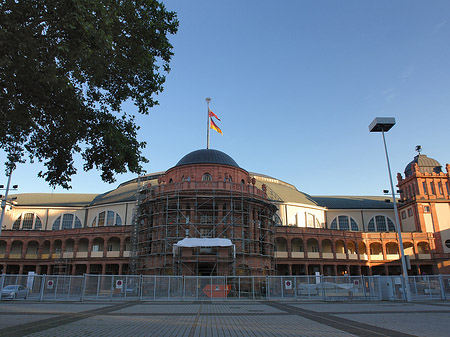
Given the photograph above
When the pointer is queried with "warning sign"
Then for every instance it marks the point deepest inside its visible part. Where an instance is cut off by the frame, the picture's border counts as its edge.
(217, 290)
(50, 284)
(119, 284)
(288, 284)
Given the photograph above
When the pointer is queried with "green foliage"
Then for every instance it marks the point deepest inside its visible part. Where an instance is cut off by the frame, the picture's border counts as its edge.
(66, 67)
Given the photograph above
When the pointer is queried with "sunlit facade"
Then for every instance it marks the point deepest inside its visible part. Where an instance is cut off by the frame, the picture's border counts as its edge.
(208, 216)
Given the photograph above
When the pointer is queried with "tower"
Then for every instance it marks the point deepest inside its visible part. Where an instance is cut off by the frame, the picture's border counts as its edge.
(425, 207)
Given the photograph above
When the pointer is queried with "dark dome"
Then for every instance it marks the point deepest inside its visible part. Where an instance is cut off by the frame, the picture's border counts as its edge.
(426, 165)
(207, 156)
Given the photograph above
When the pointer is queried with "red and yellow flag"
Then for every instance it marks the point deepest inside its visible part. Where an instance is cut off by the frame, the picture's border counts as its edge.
(215, 127)
(212, 114)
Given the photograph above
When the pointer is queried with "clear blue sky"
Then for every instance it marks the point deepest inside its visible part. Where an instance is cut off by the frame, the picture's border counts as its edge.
(296, 84)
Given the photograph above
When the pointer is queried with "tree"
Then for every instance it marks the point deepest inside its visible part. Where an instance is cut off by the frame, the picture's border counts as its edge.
(66, 68)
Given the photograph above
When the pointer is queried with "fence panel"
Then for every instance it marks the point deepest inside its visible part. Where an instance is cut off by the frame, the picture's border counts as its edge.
(191, 288)
(210, 288)
(445, 283)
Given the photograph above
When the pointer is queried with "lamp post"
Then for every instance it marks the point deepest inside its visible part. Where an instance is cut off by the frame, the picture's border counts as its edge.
(384, 124)
(5, 199)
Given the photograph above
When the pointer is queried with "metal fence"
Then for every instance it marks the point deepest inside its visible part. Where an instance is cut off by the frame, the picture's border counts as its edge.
(224, 288)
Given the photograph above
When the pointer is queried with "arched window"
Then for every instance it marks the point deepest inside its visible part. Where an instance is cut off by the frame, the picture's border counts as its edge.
(170, 181)
(206, 177)
(344, 223)
(66, 221)
(107, 218)
(381, 223)
(27, 221)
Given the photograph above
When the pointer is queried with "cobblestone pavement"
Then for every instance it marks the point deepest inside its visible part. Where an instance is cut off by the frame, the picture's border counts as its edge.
(231, 318)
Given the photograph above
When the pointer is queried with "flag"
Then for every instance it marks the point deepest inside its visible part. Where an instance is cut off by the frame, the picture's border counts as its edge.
(212, 114)
(215, 127)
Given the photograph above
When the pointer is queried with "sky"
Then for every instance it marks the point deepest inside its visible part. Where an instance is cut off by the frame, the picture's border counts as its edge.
(296, 84)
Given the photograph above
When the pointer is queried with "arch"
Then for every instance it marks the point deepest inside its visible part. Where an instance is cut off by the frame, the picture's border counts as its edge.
(16, 247)
(83, 245)
(281, 245)
(327, 246)
(361, 248)
(423, 248)
(2, 247)
(408, 248)
(340, 247)
(32, 247)
(381, 223)
(69, 245)
(97, 245)
(57, 246)
(107, 218)
(297, 245)
(66, 221)
(206, 177)
(113, 244)
(27, 221)
(46, 247)
(351, 247)
(392, 248)
(344, 223)
(376, 248)
(312, 246)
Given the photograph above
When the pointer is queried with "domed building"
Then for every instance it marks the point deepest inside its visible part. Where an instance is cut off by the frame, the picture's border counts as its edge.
(208, 216)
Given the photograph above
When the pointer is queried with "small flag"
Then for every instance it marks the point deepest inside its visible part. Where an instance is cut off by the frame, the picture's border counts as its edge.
(212, 114)
(215, 127)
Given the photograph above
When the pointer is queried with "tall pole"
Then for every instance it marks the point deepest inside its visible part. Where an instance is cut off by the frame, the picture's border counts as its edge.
(3, 204)
(207, 122)
(397, 226)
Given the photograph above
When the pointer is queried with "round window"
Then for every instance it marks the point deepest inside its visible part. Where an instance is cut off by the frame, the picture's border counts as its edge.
(447, 243)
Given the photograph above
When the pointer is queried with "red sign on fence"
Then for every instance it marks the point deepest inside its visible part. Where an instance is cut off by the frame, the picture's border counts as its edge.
(216, 290)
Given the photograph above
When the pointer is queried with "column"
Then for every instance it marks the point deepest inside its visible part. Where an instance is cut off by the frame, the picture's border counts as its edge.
(90, 247)
(120, 268)
(24, 250)
(7, 249)
(105, 246)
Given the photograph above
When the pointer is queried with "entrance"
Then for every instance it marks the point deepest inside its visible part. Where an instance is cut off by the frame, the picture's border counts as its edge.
(206, 269)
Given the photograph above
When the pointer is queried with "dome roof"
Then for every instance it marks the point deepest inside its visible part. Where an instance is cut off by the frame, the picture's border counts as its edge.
(207, 156)
(426, 165)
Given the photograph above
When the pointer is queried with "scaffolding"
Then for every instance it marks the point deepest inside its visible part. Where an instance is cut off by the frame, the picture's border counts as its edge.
(168, 213)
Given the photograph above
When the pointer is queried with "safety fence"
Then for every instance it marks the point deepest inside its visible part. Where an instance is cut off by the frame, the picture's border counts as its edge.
(208, 288)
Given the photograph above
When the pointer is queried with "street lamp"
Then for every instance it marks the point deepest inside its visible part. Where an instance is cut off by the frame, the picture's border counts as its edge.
(384, 124)
(5, 199)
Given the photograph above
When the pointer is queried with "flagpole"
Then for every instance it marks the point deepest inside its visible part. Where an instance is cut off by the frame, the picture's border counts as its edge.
(207, 122)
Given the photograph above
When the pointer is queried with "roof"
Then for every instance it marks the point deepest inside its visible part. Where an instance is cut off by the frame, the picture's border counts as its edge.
(286, 192)
(426, 165)
(126, 192)
(354, 202)
(207, 156)
(204, 242)
(53, 199)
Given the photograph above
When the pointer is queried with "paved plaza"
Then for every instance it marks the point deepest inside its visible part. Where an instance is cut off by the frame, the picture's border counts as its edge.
(230, 318)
